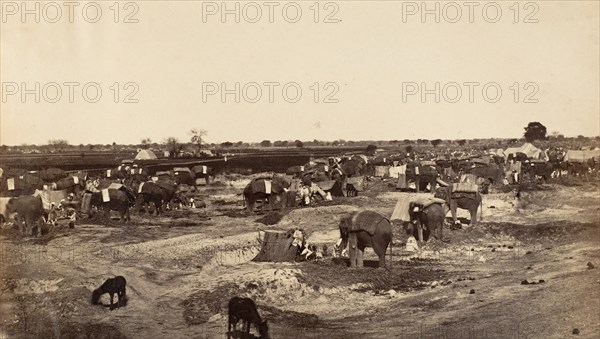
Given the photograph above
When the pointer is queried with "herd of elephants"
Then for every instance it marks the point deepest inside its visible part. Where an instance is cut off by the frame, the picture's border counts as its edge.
(26, 196)
(30, 199)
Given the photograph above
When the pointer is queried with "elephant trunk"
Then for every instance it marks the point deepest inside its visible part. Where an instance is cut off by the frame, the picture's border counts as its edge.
(341, 244)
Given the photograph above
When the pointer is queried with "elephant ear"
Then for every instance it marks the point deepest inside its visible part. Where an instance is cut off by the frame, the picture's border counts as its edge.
(345, 223)
(279, 183)
(366, 221)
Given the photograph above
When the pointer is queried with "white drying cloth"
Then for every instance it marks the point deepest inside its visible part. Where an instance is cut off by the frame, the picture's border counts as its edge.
(105, 195)
(401, 210)
(10, 182)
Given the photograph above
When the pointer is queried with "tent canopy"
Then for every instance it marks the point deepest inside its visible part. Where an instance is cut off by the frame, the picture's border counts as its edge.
(582, 156)
(528, 149)
(145, 154)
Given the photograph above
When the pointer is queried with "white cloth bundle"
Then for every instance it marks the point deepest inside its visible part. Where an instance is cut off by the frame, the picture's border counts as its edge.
(105, 195)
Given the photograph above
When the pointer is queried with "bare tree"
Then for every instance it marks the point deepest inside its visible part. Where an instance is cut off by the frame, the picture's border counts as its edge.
(197, 135)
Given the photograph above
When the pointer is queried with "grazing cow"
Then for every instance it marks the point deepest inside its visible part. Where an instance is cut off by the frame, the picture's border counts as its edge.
(245, 309)
(112, 286)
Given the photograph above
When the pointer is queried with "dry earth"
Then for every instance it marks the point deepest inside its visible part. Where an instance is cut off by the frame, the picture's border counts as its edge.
(182, 268)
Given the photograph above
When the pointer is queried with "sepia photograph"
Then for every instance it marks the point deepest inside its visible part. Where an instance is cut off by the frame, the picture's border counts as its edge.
(305, 169)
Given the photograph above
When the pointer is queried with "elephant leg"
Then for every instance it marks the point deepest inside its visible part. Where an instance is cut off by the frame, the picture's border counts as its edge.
(158, 207)
(249, 201)
(453, 207)
(107, 212)
(380, 250)
(127, 214)
(140, 201)
(473, 213)
(283, 201)
(272, 201)
(21, 221)
(420, 231)
(360, 255)
(352, 249)
(433, 184)
(29, 225)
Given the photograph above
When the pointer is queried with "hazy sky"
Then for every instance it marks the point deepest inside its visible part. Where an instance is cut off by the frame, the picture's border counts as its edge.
(372, 58)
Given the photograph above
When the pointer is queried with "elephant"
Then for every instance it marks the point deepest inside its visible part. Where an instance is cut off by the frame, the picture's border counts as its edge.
(183, 175)
(138, 174)
(168, 187)
(149, 192)
(295, 171)
(422, 174)
(540, 169)
(466, 201)
(71, 184)
(119, 201)
(492, 172)
(202, 171)
(25, 184)
(425, 221)
(353, 167)
(365, 229)
(265, 188)
(51, 174)
(116, 173)
(29, 211)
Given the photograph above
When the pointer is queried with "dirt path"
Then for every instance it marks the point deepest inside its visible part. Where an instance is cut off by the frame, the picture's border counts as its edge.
(182, 268)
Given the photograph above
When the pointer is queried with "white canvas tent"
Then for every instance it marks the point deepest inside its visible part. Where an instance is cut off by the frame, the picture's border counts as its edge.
(582, 156)
(528, 149)
(145, 154)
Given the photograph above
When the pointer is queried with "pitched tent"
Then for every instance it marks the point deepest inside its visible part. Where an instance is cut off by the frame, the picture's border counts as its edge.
(145, 154)
(582, 156)
(528, 149)
(280, 246)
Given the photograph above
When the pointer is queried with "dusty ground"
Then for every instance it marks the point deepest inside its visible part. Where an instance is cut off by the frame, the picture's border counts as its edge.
(182, 268)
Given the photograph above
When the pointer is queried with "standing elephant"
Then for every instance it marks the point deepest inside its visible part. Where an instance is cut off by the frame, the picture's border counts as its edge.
(29, 211)
(168, 187)
(118, 201)
(422, 174)
(149, 192)
(51, 174)
(354, 167)
(425, 221)
(365, 229)
(465, 200)
(25, 184)
(264, 188)
(184, 175)
(202, 171)
(295, 171)
(73, 185)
